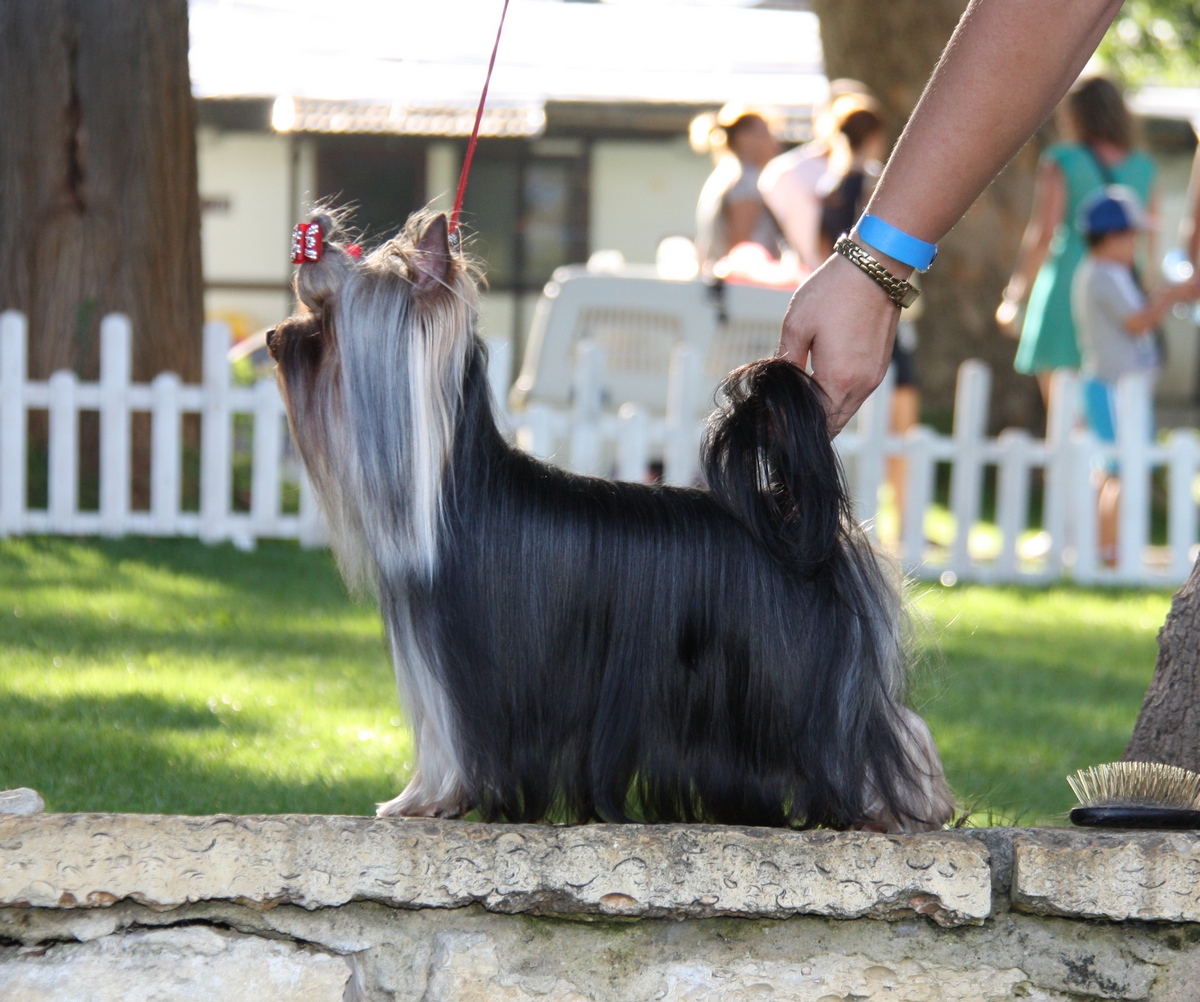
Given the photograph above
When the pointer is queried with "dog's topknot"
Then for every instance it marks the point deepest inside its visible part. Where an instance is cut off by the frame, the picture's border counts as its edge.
(421, 254)
(319, 281)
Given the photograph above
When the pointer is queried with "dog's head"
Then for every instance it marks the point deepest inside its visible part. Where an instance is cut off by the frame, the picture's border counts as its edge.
(417, 272)
(371, 369)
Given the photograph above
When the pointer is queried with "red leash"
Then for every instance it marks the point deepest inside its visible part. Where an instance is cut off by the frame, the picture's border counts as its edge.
(466, 169)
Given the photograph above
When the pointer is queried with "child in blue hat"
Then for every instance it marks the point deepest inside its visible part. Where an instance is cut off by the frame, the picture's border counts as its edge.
(1115, 323)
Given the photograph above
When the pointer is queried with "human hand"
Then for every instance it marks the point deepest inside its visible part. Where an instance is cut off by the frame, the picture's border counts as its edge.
(1175, 294)
(1010, 309)
(843, 323)
(1186, 292)
(1006, 318)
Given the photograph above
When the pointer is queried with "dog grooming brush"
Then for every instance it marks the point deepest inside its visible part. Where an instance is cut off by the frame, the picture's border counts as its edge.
(1136, 795)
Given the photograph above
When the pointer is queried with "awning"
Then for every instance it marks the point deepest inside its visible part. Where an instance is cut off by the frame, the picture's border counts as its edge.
(376, 63)
(306, 114)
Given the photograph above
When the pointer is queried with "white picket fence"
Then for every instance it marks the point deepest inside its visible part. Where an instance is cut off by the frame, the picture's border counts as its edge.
(166, 399)
(592, 437)
(116, 398)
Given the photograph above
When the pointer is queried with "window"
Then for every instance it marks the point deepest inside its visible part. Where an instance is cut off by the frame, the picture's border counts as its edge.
(528, 213)
(382, 177)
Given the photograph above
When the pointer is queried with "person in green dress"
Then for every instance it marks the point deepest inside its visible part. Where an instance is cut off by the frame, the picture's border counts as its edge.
(1100, 153)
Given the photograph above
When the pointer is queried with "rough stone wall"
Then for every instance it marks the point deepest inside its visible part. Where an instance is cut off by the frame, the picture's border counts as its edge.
(343, 909)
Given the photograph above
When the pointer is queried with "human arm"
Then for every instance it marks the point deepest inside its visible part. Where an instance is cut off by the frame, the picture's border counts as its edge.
(1152, 274)
(975, 113)
(1049, 206)
(1149, 317)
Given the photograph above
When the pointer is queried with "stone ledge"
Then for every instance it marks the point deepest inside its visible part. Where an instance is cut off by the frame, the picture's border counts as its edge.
(68, 861)
(320, 909)
(1146, 876)
(190, 962)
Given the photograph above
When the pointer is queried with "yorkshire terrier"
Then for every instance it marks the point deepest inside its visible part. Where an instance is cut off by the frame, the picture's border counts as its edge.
(576, 648)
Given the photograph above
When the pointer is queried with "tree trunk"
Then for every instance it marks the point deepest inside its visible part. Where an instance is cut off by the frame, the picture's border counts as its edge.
(98, 189)
(1168, 726)
(893, 48)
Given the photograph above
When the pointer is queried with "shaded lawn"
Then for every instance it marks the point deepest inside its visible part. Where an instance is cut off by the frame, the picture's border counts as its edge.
(167, 676)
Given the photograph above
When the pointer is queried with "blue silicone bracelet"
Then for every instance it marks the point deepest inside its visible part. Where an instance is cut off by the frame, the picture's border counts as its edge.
(886, 239)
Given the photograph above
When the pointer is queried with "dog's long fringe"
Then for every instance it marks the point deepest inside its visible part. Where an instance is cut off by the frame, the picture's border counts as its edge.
(598, 649)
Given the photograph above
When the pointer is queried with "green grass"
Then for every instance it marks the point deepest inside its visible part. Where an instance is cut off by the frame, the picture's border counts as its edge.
(1024, 686)
(168, 676)
(142, 675)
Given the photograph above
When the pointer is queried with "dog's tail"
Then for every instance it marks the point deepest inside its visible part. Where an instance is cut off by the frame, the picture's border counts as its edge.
(768, 459)
(770, 463)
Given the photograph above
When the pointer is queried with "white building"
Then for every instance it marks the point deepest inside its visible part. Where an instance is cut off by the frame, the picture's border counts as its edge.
(584, 141)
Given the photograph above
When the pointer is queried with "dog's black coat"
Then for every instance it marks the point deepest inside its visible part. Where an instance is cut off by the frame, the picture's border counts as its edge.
(696, 650)
(612, 650)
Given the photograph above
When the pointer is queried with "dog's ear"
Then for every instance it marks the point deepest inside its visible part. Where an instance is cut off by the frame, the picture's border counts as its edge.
(432, 260)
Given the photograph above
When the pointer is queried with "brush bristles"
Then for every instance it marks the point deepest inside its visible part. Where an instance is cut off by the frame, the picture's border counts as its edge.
(1137, 784)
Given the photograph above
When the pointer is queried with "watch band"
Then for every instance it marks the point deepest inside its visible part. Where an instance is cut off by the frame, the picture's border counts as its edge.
(896, 244)
(901, 292)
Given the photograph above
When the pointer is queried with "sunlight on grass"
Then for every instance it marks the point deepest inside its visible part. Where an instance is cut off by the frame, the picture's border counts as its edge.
(168, 676)
(1024, 686)
(940, 527)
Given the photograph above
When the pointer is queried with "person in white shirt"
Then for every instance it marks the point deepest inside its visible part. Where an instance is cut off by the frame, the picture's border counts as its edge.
(789, 183)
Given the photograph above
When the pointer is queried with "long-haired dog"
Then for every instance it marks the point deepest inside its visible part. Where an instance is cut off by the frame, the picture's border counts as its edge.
(574, 647)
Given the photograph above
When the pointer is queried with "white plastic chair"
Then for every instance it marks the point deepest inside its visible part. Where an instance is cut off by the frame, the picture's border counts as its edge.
(638, 319)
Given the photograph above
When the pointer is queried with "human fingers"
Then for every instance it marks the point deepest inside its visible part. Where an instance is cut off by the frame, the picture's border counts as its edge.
(848, 378)
(1006, 318)
(840, 323)
(796, 334)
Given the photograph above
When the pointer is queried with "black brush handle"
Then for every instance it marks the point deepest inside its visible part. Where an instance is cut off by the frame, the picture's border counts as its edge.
(1135, 817)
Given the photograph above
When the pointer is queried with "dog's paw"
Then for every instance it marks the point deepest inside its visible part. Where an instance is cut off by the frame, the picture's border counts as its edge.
(927, 801)
(415, 803)
(401, 808)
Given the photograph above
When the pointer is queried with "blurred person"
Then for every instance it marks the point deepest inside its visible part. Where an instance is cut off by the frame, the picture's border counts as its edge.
(788, 184)
(1116, 323)
(1182, 262)
(973, 116)
(730, 210)
(854, 163)
(1099, 152)
(1189, 225)
(858, 150)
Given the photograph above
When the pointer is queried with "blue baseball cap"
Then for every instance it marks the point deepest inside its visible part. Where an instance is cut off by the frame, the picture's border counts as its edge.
(1112, 209)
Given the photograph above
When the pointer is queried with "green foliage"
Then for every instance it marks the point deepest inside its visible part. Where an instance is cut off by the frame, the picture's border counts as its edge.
(1155, 42)
(168, 676)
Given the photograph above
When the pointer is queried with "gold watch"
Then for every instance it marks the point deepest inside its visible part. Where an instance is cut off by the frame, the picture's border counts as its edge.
(901, 292)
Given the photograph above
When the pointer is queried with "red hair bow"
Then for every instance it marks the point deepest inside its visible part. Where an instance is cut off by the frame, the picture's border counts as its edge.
(307, 243)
